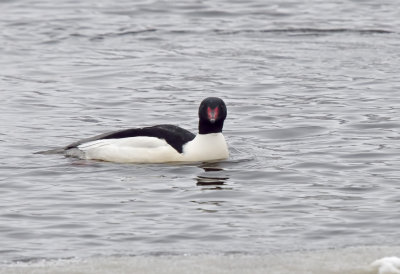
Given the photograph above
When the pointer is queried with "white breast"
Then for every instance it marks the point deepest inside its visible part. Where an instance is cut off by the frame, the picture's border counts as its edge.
(206, 147)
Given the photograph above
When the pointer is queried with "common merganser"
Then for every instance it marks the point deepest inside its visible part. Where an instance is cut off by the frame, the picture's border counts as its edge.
(161, 143)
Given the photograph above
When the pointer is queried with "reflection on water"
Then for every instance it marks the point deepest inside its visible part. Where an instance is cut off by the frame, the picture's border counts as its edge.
(211, 166)
(213, 175)
(211, 180)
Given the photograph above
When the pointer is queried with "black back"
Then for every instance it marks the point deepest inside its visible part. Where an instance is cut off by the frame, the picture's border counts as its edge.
(175, 136)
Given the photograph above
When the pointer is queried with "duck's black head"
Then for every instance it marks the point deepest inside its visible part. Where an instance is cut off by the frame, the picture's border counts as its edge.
(212, 113)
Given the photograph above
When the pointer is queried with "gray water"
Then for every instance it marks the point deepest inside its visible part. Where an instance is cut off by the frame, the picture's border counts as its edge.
(312, 90)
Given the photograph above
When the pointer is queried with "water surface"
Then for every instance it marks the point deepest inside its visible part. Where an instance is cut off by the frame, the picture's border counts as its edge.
(312, 95)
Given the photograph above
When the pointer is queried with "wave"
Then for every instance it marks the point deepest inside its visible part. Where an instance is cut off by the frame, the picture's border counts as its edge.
(309, 31)
(154, 32)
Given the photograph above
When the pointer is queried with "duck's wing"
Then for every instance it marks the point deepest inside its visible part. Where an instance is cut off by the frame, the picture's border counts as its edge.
(175, 136)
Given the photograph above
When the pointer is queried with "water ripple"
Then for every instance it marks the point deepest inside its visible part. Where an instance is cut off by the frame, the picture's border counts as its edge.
(312, 126)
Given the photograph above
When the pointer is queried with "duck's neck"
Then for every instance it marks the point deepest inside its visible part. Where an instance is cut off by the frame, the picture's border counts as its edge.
(206, 127)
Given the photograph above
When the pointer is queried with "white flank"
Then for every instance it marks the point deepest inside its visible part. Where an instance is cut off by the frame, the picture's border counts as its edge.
(130, 150)
(206, 147)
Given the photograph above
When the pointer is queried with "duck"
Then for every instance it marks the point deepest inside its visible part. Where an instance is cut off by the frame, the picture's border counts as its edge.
(161, 143)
